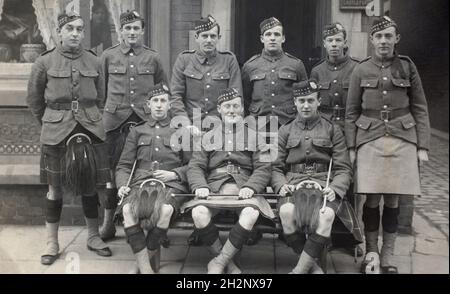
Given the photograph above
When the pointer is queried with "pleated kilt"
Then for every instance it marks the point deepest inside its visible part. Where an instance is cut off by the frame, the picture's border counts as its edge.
(53, 162)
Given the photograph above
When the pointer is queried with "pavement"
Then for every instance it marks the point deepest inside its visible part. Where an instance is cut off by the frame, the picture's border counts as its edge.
(425, 251)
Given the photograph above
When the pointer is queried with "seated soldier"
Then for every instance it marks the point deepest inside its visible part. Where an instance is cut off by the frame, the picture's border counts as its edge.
(147, 154)
(306, 146)
(235, 164)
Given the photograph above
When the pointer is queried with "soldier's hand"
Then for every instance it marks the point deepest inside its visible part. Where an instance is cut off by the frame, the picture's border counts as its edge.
(165, 176)
(202, 193)
(422, 154)
(352, 154)
(287, 189)
(194, 131)
(329, 193)
(246, 193)
(123, 191)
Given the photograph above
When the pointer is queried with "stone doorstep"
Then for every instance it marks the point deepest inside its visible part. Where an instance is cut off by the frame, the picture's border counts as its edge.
(19, 174)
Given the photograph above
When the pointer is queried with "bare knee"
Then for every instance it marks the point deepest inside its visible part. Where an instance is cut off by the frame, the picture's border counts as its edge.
(128, 216)
(327, 217)
(54, 193)
(166, 211)
(287, 212)
(372, 200)
(248, 217)
(201, 216)
(325, 222)
(390, 201)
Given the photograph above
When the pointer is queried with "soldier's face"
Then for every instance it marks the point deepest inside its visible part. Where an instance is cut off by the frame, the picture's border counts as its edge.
(159, 106)
(132, 32)
(307, 105)
(273, 39)
(207, 41)
(335, 45)
(72, 33)
(231, 111)
(384, 42)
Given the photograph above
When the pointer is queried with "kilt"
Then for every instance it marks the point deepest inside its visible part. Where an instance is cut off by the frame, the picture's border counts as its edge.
(53, 162)
(175, 202)
(387, 165)
(343, 211)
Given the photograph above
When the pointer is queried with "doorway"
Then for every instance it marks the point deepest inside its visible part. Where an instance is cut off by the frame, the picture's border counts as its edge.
(302, 20)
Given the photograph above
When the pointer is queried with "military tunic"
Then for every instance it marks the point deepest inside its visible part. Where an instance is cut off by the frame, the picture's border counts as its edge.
(150, 144)
(304, 153)
(65, 93)
(129, 74)
(267, 82)
(197, 81)
(333, 79)
(236, 155)
(58, 78)
(386, 122)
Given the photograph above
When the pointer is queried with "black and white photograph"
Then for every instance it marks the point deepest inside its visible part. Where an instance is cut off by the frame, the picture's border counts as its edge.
(245, 137)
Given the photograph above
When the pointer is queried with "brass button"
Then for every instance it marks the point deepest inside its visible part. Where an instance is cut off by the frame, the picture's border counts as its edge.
(384, 92)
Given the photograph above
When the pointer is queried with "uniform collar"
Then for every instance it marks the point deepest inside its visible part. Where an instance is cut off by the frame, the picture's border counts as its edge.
(340, 62)
(272, 58)
(307, 124)
(202, 58)
(164, 122)
(70, 53)
(126, 48)
(383, 62)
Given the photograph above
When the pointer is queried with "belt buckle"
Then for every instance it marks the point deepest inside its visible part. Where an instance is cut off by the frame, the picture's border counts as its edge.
(155, 165)
(75, 106)
(337, 113)
(385, 115)
(232, 169)
(310, 169)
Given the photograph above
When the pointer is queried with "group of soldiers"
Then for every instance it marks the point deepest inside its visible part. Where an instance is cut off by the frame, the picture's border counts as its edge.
(113, 122)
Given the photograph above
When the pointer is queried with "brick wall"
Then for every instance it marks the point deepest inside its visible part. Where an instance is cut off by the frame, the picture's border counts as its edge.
(184, 14)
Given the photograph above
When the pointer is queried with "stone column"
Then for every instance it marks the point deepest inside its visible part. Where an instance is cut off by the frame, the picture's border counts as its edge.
(222, 11)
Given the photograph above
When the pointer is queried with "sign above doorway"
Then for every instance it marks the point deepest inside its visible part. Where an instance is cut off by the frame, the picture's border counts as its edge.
(353, 4)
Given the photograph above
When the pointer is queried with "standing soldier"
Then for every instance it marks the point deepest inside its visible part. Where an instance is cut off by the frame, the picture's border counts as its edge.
(306, 146)
(333, 78)
(65, 94)
(199, 75)
(235, 164)
(131, 69)
(148, 148)
(388, 133)
(268, 77)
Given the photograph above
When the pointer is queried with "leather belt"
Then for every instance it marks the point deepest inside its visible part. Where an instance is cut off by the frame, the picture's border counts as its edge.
(231, 169)
(74, 105)
(309, 168)
(386, 114)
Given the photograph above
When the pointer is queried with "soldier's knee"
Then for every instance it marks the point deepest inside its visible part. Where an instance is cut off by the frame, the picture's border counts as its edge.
(287, 211)
(54, 193)
(166, 211)
(372, 200)
(250, 214)
(201, 215)
(327, 217)
(127, 211)
(391, 200)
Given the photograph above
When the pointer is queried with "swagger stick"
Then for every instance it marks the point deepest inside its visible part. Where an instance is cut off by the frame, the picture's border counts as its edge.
(322, 210)
(129, 181)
